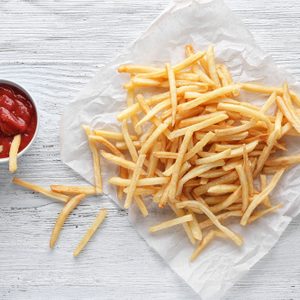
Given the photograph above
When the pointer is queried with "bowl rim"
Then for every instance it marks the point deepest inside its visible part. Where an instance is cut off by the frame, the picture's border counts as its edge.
(17, 85)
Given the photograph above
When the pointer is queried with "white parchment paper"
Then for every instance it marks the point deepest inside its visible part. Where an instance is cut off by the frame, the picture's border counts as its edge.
(200, 23)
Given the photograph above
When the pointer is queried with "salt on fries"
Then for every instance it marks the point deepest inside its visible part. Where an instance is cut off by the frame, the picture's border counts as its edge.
(187, 140)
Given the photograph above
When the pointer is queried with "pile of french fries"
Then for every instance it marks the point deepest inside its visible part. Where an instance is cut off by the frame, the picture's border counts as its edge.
(196, 147)
(193, 145)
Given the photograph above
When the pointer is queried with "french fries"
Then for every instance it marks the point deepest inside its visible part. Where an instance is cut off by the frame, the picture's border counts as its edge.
(65, 212)
(91, 231)
(13, 153)
(187, 140)
(41, 190)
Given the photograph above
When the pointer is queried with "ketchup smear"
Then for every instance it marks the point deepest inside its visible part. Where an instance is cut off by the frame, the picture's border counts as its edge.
(17, 116)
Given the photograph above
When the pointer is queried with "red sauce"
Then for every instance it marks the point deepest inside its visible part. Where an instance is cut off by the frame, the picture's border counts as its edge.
(17, 116)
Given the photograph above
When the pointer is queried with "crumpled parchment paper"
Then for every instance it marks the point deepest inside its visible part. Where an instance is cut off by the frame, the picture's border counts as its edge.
(200, 23)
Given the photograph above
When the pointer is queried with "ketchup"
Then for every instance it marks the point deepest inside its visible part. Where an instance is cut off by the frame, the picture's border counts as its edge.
(17, 116)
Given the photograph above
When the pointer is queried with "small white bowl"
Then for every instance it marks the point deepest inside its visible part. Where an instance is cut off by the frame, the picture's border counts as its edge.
(13, 84)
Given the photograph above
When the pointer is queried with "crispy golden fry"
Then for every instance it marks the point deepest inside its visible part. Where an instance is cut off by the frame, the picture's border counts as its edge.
(205, 242)
(213, 158)
(156, 133)
(107, 144)
(73, 190)
(91, 231)
(263, 184)
(65, 212)
(283, 161)
(141, 205)
(120, 161)
(212, 70)
(220, 217)
(251, 87)
(172, 86)
(230, 234)
(222, 189)
(96, 161)
(129, 141)
(112, 135)
(248, 112)
(198, 126)
(178, 164)
(177, 68)
(141, 182)
(137, 69)
(244, 184)
(261, 196)
(165, 154)
(228, 201)
(135, 177)
(171, 223)
(207, 97)
(41, 190)
(13, 153)
(264, 212)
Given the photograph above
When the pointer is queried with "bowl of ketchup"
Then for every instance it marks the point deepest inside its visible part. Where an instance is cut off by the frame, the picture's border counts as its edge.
(18, 115)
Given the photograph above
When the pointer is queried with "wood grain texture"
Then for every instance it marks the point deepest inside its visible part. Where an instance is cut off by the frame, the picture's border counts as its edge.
(53, 48)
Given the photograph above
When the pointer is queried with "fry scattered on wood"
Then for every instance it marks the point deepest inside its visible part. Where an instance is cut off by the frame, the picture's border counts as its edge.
(65, 212)
(91, 231)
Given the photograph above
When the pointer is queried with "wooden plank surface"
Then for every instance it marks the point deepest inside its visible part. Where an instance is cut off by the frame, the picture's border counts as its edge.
(53, 48)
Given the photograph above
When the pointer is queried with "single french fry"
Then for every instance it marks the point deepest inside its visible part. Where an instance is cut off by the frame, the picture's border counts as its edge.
(248, 112)
(106, 143)
(222, 189)
(199, 145)
(120, 161)
(222, 91)
(264, 212)
(156, 133)
(235, 129)
(221, 155)
(73, 190)
(177, 68)
(212, 70)
(267, 105)
(141, 182)
(96, 160)
(196, 119)
(129, 142)
(223, 216)
(178, 164)
(130, 68)
(205, 242)
(112, 135)
(230, 234)
(13, 153)
(122, 145)
(198, 126)
(165, 154)
(172, 86)
(261, 196)
(41, 190)
(244, 184)
(228, 201)
(186, 227)
(141, 205)
(90, 232)
(65, 212)
(283, 161)
(171, 223)
(252, 87)
(135, 177)
(263, 184)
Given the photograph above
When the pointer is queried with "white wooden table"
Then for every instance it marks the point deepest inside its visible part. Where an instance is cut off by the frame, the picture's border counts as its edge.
(53, 48)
